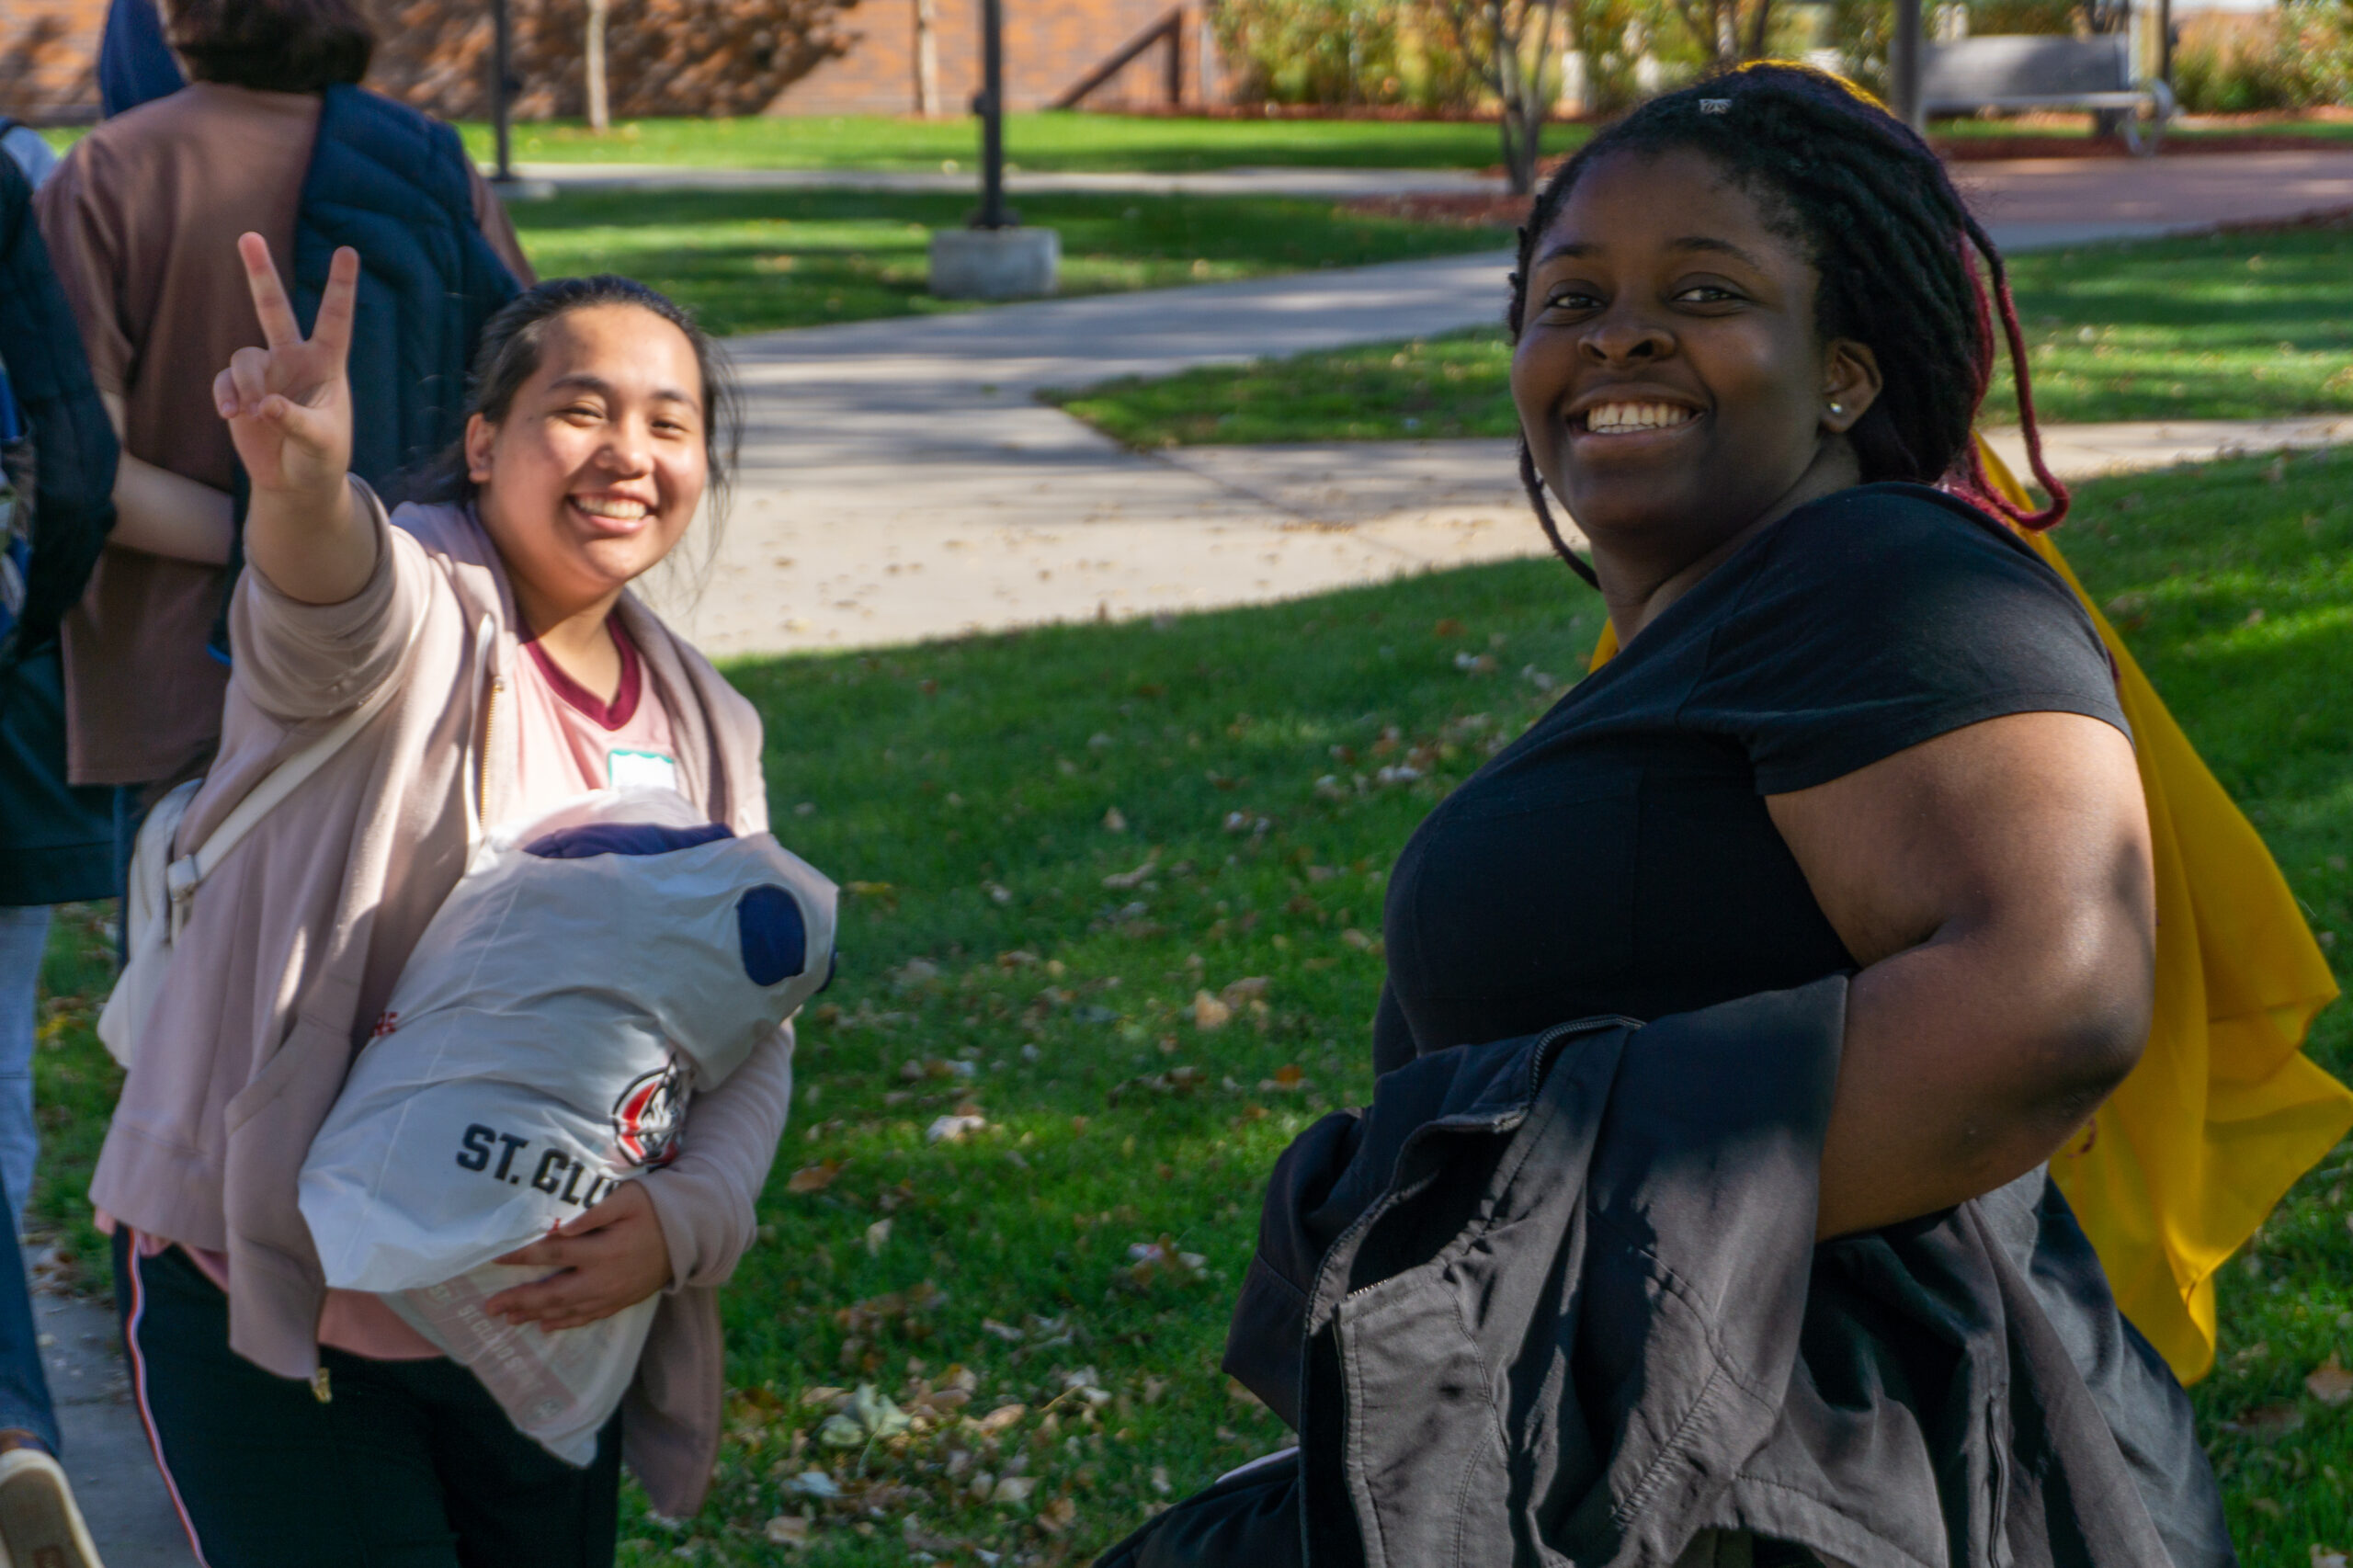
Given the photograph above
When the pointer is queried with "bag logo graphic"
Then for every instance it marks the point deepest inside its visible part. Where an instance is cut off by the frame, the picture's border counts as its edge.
(648, 1116)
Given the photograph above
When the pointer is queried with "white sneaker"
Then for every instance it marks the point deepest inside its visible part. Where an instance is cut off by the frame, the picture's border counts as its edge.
(40, 1526)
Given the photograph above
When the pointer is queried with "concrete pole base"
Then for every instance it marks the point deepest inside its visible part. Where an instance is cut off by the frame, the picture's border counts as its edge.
(995, 264)
(521, 189)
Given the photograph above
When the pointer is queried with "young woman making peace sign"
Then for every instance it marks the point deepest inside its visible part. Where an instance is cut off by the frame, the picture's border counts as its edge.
(301, 1425)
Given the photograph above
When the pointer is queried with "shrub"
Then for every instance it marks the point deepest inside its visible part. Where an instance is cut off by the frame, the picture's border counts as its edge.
(2231, 65)
(1312, 51)
(2009, 16)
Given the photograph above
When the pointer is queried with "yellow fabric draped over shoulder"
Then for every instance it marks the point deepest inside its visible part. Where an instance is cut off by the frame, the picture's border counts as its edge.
(2224, 1112)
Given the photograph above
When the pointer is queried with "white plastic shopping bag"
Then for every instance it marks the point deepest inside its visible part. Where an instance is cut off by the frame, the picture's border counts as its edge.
(591, 971)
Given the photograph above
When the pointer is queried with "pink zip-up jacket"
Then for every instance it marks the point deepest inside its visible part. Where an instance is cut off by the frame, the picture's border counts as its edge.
(295, 940)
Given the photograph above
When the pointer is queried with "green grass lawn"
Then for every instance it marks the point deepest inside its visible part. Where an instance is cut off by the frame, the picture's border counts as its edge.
(1053, 140)
(1116, 889)
(751, 260)
(1072, 140)
(2180, 136)
(2222, 326)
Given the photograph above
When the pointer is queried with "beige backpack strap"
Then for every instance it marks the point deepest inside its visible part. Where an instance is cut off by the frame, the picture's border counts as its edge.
(186, 873)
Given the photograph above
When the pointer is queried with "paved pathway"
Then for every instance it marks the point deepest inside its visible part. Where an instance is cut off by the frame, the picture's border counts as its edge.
(901, 481)
(1111, 534)
(2046, 203)
(122, 1496)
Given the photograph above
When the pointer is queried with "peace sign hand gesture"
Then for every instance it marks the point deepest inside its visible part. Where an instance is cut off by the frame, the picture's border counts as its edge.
(289, 405)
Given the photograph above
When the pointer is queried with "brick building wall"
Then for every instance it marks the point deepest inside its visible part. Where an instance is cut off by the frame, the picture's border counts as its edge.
(433, 54)
(48, 51)
(1049, 47)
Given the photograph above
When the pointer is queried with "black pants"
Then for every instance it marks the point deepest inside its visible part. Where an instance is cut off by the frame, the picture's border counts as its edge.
(408, 1464)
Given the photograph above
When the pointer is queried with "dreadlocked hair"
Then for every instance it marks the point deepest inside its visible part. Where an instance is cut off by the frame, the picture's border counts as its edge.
(1904, 267)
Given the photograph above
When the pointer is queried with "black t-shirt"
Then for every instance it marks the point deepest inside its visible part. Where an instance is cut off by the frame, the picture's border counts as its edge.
(1617, 858)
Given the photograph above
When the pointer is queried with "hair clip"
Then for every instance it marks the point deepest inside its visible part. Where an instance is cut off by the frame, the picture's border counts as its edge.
(1715, 105)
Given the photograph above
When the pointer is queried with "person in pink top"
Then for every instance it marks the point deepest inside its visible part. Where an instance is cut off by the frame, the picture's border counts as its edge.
(299, 1425)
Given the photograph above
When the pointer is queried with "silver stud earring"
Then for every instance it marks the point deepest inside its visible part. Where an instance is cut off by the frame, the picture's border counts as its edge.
(1837, 408)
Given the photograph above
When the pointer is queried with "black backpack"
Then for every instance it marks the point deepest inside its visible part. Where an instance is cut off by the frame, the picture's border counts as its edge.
(56, 841)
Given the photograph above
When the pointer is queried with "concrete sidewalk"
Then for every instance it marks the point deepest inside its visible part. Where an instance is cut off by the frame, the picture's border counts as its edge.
(122, 1496)
(900, 480)
(1111, 534)
(2044, 203)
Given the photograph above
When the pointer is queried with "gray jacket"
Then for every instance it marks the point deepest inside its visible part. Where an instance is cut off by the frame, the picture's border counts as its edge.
(1557, 1301)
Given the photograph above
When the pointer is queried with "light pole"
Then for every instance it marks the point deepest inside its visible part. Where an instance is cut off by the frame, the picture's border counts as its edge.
(991, 103)
(992, 256)
(1904, 66)
(509, 186)
(501, 44)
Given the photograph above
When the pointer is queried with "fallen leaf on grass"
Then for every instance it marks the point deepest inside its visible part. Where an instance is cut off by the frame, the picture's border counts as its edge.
(1287, 1078)
(814, 1178)
(1058, 1516)
(1176, 1081)
(2267, 1421)
(1003, 1417)
(1208, 1013)
(1114, 820)
(867, 1317)
(787, 1529)
(882, 890)
(878, 1236)
(2330, 1384)
(814, 1483)
(2323, 1556)
(1250, 988)
(953, 1128)
(872, 1416)
(1135, 877)
(1014, 1489)
(1157, 1262)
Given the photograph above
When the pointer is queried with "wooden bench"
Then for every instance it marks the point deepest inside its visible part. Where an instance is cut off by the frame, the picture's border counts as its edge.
(2026, 71)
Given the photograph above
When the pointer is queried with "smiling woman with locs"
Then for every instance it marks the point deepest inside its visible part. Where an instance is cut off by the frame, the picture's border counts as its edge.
(1855, 726)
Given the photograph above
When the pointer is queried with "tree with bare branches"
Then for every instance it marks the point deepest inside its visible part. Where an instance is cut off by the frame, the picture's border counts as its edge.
(1513, 44)
(1730, 31)
(592, 69)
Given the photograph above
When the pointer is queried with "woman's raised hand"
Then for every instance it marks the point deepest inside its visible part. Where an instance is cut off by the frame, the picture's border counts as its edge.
(289, 405)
